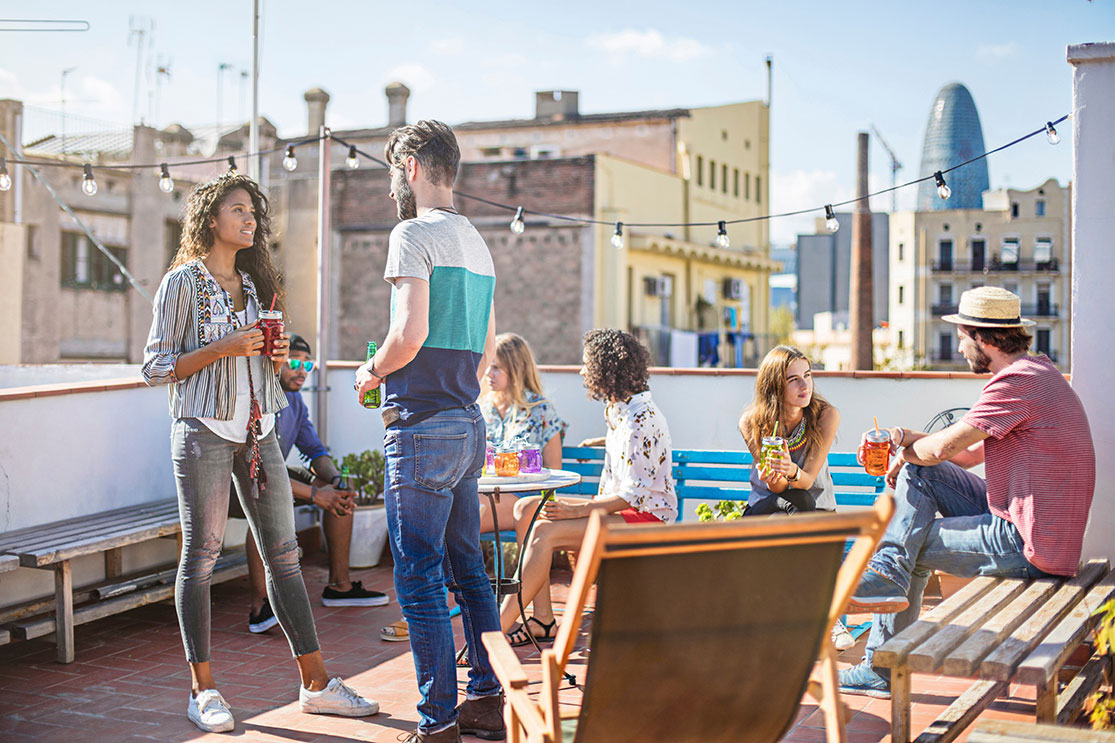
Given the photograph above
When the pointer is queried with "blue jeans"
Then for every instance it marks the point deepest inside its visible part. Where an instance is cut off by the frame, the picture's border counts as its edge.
(968, 541)
(433, 521)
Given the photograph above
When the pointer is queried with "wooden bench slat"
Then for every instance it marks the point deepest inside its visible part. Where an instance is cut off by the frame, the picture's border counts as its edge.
(47, 542)
(962, 712)
(99, 543)
(966, 659)
(714, 474)
(228, 567)
(93, 519)
(61, 530)
(1070, 702)
(894, 651)
(8, 562)
(929, 655)
(1043, 663)
(1001, 664)
(1017, 731)
(712, 456)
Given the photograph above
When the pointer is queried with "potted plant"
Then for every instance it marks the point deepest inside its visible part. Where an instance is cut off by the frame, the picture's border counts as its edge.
(369, 521)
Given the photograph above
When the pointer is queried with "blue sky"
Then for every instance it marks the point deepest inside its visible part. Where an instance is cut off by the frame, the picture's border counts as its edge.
(839, 67)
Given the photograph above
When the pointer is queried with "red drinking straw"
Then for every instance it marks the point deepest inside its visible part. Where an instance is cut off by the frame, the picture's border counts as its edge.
(276, 296)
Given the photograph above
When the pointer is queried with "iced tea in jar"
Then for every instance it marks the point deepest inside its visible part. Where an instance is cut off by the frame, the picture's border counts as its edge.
(771, 444)
(876, 452)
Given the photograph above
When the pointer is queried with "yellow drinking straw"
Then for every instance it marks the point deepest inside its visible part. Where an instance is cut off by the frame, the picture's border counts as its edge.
(876, 423)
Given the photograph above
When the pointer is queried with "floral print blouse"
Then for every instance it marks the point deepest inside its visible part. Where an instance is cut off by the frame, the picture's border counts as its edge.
(532, 425)
(638, 462)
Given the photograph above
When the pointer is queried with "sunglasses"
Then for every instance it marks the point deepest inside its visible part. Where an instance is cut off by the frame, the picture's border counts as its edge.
(297, 364)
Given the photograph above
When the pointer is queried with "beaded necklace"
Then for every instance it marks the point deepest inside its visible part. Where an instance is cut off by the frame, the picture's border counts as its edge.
(797, 438)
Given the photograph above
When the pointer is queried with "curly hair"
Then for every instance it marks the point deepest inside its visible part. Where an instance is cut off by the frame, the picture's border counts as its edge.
(616, 364)
(197, 235)
(766, 409)
(432, 143)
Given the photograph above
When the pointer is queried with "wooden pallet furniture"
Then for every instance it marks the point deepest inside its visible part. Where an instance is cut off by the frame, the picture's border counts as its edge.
(1016, 731)
(746, 597)
(54, 545)
(997, 631)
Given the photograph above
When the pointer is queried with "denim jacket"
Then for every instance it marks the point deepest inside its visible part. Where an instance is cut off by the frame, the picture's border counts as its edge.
(191, 311)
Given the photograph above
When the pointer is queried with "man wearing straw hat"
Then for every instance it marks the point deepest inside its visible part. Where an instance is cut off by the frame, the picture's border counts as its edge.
(1027, 520)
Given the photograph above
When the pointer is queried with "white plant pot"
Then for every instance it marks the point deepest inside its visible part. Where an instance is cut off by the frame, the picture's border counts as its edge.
(369, 535)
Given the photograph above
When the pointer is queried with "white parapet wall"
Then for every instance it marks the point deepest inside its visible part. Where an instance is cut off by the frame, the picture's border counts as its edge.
(1093, 265)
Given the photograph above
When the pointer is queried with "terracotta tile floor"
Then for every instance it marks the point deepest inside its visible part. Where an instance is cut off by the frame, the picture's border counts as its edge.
(130, 681)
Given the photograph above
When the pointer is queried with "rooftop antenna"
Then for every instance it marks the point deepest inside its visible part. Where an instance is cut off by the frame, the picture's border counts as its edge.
(895, 166)
(139, 28)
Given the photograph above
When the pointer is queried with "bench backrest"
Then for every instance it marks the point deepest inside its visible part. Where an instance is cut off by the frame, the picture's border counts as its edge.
(714, 475)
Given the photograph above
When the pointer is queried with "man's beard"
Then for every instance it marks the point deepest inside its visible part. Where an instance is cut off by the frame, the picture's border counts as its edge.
(981, 364)
(404, 199)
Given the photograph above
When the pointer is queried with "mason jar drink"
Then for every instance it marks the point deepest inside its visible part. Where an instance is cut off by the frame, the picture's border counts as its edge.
(530, 459)
(876, 452)
(271, 323)
(771, 444)
(507, 463)
(489, 461)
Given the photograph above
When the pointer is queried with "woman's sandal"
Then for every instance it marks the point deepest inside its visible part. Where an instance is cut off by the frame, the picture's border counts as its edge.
(549, 630)
(519, 636)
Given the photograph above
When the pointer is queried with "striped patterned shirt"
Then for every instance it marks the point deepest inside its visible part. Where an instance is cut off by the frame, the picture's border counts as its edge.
(1039, 460)
(192, 310)
(445, 250)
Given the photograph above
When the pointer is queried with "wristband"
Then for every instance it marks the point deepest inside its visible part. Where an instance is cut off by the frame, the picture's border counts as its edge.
(901, 436)
(375, 374)
(797, 474)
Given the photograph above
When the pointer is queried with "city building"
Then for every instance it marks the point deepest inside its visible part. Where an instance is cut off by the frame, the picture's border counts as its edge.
(1019, 240)
(689, 298)
(784, 284)
(952, 136)
(824, 271)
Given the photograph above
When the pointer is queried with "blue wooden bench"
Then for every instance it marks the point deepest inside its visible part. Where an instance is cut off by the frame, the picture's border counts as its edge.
(715, 475)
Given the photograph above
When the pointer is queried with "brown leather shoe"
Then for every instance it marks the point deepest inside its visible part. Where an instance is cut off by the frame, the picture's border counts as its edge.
(482, 717)
(449, 735)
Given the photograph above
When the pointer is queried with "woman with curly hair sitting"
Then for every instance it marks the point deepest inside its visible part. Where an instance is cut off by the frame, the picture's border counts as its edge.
(636, 485)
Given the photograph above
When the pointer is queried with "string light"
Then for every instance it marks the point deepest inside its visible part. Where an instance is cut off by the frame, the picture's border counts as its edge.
(943, 189)
(1051, 133)
(5, 179)
(352, 160)
(722, 234)
(617, 238)
(832, 224)
(88, 184)
(166, 184)
(232, 165)
(290, 162)
(517, 225)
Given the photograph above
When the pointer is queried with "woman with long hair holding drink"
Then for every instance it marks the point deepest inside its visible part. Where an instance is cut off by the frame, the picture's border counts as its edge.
(798, 427)
(207, 344)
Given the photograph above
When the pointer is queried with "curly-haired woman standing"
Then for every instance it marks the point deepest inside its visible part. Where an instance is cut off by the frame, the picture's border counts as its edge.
(205, 344)
(636, 484)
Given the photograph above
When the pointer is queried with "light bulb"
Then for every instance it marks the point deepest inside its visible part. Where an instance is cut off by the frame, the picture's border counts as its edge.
(832, 224)
(88, 185)
(1051, 133)
(5, 179)
(517, 225)
(352, 160)
(232, 165)
(943, 189)
(166, 183)
(617, 238)
(722, 234)
(290, 162)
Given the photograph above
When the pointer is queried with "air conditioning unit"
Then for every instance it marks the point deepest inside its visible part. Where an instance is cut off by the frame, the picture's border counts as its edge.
(659, 286)
(733, 288)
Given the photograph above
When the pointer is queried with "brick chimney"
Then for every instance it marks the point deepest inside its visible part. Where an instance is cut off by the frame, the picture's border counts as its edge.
(316, 101)
(555, 104)
(397, 95)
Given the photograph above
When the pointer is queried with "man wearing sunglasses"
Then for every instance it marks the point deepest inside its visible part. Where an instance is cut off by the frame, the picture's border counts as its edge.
(319, 486)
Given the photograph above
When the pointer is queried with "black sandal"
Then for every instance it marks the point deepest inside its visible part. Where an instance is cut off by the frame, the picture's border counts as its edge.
(518, 637)
(550, 629)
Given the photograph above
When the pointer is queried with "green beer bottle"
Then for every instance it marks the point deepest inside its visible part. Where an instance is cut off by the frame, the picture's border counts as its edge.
(371, 397)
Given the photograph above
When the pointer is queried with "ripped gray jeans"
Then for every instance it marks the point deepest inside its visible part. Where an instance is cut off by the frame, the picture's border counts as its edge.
(203, 466)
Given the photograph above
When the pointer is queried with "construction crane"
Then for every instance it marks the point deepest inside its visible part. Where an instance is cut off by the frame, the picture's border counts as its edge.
(895, 166)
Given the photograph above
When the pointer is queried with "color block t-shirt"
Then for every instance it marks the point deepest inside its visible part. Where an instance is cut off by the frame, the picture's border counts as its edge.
(445, 250)
(1039, 460)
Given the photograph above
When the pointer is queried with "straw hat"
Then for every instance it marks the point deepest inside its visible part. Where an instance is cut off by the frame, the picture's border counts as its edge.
(989, 307)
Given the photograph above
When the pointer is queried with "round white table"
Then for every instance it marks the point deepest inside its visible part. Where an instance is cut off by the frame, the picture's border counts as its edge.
(557, 479)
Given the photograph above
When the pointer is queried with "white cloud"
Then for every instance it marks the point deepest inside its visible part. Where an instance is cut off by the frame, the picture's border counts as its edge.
(451, 46)
(414, 76)
(809, 189)
(997, 51)
(101, 94)
(649, 44)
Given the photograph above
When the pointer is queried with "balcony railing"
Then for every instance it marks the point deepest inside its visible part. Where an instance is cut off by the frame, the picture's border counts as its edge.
(1028, 310)
(1050, 266)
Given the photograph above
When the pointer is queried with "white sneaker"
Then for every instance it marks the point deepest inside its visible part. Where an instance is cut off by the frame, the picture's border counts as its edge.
(210, 712)
(841, 637)
(336, 699)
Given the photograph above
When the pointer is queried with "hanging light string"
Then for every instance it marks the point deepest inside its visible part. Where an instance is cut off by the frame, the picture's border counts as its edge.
(1048, 129)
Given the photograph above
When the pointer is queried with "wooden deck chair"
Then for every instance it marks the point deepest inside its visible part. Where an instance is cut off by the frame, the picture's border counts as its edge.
(703, 632)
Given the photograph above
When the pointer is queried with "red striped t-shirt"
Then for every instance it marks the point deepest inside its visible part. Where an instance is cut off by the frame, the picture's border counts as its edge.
(1038, 459)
